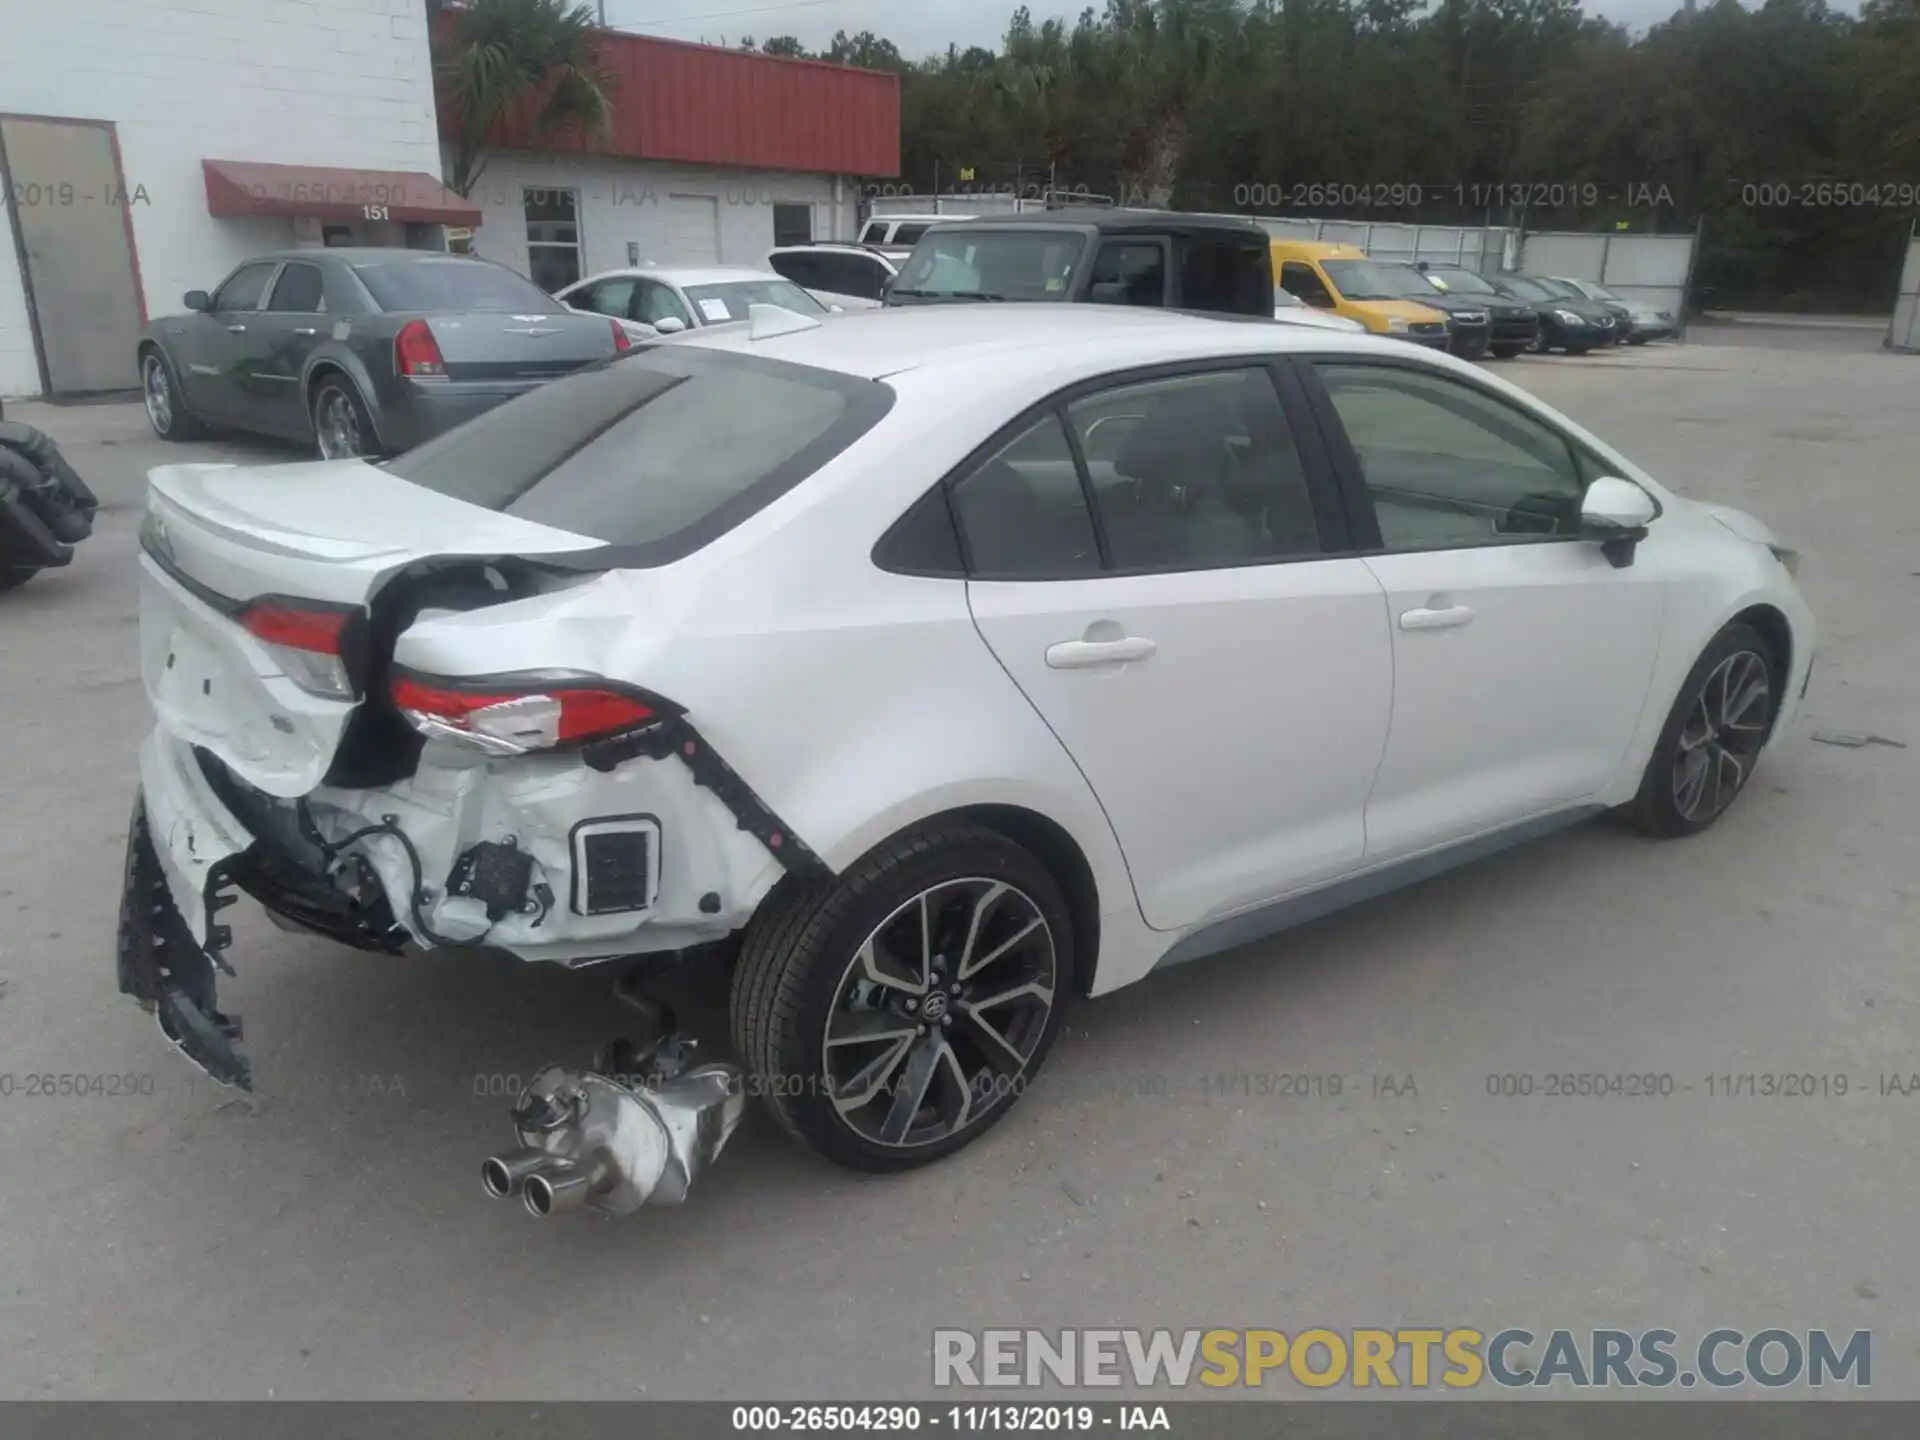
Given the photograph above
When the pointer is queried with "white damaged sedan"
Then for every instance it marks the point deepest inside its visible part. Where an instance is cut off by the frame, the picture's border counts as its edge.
(927, 669)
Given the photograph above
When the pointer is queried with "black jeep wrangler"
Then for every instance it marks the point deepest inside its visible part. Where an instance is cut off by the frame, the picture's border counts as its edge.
(1102, 257)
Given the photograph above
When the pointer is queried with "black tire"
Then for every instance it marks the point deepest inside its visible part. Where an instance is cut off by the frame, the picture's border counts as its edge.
(1578, 349)
(1636, 340)
(1659, 808)
(800, 954)
(13, 577)
(1506, 352)
(167, 410)
(356, 436)
(1538, 344)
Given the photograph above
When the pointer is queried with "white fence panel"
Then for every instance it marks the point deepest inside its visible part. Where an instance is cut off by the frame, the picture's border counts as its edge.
(1904, 334)
(1651, 269)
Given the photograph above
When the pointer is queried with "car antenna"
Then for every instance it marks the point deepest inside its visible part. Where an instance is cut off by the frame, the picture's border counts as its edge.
(766, 321)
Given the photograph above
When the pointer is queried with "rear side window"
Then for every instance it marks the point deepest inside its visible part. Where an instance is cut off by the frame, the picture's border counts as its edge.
(1024, 513)
(658, 452)
(801, 269)
(1226, 278)
(451, 284)
(300, 289)
(850, 275)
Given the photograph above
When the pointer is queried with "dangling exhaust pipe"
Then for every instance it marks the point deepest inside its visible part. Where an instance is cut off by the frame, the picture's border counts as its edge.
(590, 1141)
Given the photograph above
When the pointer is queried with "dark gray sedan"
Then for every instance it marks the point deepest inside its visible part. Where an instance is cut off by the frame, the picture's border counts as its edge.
(363, 351)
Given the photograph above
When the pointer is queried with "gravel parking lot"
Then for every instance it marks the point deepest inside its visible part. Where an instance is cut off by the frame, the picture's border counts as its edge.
(329, 1238)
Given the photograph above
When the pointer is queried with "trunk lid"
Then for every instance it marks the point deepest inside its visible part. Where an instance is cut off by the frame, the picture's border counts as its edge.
(217, 537)
(494, 345)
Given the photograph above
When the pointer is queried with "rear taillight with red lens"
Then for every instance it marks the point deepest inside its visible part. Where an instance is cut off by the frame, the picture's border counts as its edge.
(507, 718)
(308, 642)
(416, 353)
(621, 340)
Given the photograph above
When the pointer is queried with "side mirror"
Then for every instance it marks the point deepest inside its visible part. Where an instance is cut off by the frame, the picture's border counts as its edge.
(198, 301)
(1617, 513)
(669, 325)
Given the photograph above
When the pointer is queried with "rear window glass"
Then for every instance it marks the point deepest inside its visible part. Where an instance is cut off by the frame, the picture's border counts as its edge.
(657, 452)
(411, 284)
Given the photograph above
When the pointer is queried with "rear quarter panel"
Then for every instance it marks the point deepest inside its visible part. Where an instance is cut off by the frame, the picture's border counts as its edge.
(855, 702)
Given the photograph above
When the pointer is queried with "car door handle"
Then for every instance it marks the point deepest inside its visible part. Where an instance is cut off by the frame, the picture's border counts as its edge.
(237, 329)
(1450, 618)
(305, 330)
(1084, 654)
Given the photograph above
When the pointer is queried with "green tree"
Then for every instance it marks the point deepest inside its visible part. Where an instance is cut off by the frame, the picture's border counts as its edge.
(532, 61)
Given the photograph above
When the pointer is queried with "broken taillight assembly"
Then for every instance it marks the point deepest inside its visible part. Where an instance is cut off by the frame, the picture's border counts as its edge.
(505, 718)
(308, 642)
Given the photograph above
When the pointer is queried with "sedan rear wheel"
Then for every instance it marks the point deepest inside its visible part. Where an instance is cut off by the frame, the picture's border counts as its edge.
(340, 423)
(892, 1017)
(1712, 738)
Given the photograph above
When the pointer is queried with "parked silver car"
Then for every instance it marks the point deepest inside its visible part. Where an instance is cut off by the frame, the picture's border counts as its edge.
(365, 352)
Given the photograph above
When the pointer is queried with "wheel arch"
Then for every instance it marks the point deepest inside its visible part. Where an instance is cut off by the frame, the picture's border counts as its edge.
(1050, 843)
(1042, 836)
(327, 364)
(1775, 629)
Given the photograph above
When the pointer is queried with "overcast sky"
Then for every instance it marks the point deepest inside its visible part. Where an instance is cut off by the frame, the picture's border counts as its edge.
(919, 27)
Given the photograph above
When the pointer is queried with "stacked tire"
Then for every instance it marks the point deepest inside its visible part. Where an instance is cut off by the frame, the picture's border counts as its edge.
(45, 508)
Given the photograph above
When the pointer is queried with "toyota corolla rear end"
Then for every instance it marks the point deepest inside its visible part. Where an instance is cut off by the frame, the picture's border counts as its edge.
(405, 705)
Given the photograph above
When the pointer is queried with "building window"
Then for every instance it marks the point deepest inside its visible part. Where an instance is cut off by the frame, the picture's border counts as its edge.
(553, 237)
(793, 224)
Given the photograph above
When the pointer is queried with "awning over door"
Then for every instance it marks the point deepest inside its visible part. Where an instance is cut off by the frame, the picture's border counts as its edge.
(248, 187)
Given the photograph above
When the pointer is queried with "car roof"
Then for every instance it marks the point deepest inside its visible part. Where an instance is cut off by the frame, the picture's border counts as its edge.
(1318, 249)
(684, 275)
(956, 339)
(1159, 222)
(829, 247)
(367, 254)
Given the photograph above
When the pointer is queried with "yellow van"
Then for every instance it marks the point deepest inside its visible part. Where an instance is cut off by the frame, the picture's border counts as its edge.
(1340, 278)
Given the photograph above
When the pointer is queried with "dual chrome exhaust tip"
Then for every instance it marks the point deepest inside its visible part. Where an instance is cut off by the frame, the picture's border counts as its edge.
(545, 1183)
(590, 1141)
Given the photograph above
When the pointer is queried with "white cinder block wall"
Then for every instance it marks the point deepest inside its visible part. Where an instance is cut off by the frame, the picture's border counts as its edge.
(344, 83)
(628, 200)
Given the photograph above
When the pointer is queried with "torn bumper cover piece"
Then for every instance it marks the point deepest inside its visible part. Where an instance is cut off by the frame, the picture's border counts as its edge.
(187, 856)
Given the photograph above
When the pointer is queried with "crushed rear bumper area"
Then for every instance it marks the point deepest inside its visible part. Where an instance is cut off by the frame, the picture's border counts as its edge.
(189, 856)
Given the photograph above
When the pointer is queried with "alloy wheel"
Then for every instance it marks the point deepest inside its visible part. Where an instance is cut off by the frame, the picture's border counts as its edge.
(157, 394)
(337, 426)
(1538, 344)
(1725, 729)
(939, 1012)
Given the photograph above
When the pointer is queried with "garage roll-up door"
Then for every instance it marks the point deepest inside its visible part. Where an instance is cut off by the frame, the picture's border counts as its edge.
(693, 229)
